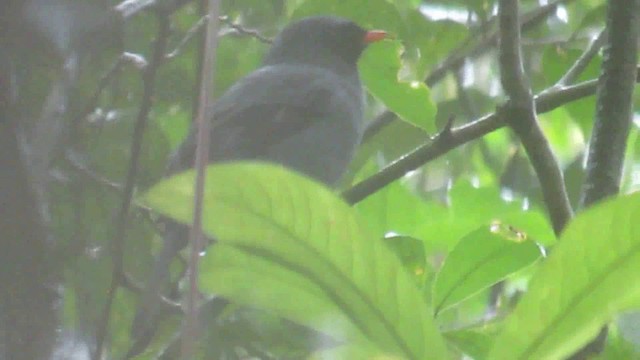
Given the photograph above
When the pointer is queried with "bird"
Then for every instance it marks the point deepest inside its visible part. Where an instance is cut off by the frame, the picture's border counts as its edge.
(302, 109)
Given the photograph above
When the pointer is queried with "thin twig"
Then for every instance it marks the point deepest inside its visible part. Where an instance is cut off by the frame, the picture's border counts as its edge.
(85, 170)
(92, 175)
(192, 32)
(244, 31)
(196, 238)
(125, 58)
(149, 79)
(199, 25)
(129, 8)
(583, 61)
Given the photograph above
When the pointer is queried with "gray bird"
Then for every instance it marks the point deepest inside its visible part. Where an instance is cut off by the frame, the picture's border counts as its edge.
(302, 109)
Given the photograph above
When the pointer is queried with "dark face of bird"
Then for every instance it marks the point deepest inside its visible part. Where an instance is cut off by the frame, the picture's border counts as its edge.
(316, 40)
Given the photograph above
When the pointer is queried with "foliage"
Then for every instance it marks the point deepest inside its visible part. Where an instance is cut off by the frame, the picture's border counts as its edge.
(456, 258)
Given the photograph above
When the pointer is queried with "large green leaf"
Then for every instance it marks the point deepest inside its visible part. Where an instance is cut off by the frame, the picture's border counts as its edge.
(287, 244)
(588, 278)
(411, 101)
(478, 261)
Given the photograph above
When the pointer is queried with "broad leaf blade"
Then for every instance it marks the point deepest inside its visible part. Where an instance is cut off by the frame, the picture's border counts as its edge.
(411, 101)
(292, 246)
(587, 280)
(478, 261)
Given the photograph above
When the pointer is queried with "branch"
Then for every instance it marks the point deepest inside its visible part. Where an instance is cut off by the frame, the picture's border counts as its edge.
(130, 8)
(520, 113)
(149, 80)
(458, 57)
(613, 119)
(442, 144)
(614, 103)
(196, 237)
(244, 31)
(583, 61)
(199, 25)
(193, 31)
(135, 59)
(211, 309)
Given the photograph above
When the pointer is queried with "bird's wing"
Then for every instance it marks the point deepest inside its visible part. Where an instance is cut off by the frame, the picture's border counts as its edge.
(250, 132)
(268, 107)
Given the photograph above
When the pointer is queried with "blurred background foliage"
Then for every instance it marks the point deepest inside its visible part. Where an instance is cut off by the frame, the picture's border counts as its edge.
(422, 216)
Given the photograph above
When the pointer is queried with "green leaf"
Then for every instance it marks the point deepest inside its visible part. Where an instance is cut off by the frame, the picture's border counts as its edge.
(583, 284)
(379, 13)
(174, 123)
(411, 101)
(565, 136)
(394, 209)
(478, 261)
(475, 341)
(471, 207)
(289, 245)
(479, 7)
(354, 352)
(434, 39)
(411, 252)
(557, 60)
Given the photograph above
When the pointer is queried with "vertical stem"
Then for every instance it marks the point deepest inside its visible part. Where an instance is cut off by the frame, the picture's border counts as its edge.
(190, 334)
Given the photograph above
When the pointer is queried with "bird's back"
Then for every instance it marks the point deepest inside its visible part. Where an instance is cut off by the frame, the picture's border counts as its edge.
(304, 117)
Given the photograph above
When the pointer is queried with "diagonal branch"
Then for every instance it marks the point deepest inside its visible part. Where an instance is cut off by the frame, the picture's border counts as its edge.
(447, 141)
(583, 61)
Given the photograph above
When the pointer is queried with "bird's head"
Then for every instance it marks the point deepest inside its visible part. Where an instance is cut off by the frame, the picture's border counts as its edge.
(321, 40)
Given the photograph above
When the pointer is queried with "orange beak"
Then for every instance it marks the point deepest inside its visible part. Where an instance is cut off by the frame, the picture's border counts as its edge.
(374, 35)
